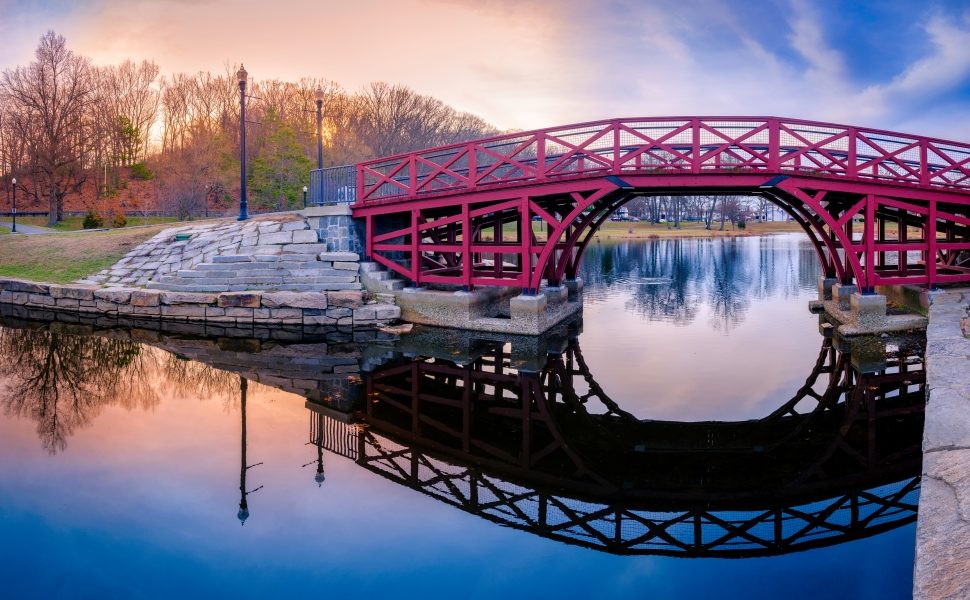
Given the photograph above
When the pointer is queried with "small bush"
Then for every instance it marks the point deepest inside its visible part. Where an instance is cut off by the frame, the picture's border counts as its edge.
(118, 219)
(92, 221)
(140, 171)
(741, 225)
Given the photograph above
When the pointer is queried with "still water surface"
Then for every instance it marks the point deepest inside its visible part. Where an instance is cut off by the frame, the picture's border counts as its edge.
(597, 473)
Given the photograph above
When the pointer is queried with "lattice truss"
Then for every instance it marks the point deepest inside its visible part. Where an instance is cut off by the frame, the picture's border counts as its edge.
(550, 453)
(880, 207)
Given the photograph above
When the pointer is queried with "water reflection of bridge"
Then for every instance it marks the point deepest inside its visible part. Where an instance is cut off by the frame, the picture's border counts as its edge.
(550, 453)
(524, 436)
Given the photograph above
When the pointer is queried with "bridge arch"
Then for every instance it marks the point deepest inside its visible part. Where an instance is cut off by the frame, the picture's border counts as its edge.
(462, 214)
(573, 244)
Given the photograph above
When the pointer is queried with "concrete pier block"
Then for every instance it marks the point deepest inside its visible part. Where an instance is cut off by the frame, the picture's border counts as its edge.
(574, 288)
(868, 304)
(841, 292)
(556, 294)
(825, 285)
(868, 310)
(526, 305)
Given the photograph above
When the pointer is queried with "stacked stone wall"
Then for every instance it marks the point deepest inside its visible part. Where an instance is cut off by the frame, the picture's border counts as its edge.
(335, 308)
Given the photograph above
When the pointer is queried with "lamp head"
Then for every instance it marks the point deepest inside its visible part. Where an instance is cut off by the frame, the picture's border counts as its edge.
(241, 74)
(14, 181)
(304, 189)
(319, 95)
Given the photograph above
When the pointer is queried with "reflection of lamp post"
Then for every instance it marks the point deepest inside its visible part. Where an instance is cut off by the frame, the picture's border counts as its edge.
(243, 205)
(243, 513)
(319, 477)
(319, 96)
(304, 196)
(14, 228)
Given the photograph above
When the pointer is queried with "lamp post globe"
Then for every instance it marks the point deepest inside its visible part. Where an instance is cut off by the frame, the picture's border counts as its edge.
(304, 196)
(319, 95)
(13, 229)
(242, 76)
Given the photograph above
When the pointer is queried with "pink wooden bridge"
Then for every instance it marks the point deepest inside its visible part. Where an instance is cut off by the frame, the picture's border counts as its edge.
(880, 207)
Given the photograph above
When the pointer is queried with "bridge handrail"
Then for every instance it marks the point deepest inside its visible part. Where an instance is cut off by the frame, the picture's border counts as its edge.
(669, 145)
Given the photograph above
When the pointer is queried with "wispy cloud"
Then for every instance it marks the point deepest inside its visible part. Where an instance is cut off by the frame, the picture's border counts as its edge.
(529, 63)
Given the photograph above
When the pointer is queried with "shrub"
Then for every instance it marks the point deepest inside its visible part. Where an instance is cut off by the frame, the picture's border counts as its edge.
(141, 171)
(118, 219)
(741, 224)
(92, 221)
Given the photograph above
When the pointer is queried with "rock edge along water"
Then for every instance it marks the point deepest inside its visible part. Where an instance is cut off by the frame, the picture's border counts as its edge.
(943, 526)
(347, 307)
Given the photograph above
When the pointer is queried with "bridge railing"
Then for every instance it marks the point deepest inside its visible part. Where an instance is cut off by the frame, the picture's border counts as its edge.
(333, 185)
(680, 145)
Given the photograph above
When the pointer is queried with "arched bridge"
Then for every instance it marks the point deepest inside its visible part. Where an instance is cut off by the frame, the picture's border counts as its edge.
(880, 207)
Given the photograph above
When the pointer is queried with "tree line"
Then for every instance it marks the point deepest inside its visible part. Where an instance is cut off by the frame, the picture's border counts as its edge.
(67, 124)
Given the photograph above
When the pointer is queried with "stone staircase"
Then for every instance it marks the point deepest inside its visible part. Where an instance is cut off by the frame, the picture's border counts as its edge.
(376, 278)
(317, 272)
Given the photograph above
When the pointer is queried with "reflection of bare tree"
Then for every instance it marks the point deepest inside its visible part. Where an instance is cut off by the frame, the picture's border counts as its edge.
(62, 381)
(672, 280)
(730, 283)
(183, 378)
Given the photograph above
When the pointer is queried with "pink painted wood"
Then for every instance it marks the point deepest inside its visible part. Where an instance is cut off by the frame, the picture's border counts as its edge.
(572, 177)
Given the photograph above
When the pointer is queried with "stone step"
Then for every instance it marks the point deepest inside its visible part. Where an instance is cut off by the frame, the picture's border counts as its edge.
(289, 256)
(232, 258)
(394, 284)
(369, 267)
(196, 274)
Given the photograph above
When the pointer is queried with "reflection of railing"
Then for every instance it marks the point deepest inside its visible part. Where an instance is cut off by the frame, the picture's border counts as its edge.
(671, 145)
(619, 529)
(333, 185)
(336, 436)
(550, 453)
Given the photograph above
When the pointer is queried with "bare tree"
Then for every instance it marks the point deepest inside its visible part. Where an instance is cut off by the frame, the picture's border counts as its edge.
(47, 100)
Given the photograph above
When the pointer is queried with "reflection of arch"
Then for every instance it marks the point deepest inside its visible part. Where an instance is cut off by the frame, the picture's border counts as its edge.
(462, 214)
(531, 451)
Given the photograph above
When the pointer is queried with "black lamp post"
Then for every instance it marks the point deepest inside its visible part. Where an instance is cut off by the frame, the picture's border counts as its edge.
(243, 204)
(304, 196)
(14, 228)
(319, 96)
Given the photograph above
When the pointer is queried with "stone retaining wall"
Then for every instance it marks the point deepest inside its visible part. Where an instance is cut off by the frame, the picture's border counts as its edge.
(943, 527)
(237, 308)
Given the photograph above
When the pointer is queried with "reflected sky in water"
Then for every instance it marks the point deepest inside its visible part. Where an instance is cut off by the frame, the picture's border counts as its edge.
(722, 322)
(130, 488)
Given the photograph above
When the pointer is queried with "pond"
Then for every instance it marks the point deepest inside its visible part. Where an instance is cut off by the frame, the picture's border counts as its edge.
(698, 434)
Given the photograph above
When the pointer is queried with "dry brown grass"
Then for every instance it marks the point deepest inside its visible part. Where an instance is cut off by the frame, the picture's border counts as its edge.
(66, 257)
(641, 230)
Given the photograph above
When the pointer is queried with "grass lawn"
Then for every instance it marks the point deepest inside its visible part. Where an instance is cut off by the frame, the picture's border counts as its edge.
(74, 223)
(66, 257)
(646, 230)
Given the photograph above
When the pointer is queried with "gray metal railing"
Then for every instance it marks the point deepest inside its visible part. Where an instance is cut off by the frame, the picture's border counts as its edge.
(333, 185)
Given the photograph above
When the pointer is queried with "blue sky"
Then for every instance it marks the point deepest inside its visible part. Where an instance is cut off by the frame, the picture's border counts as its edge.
(894, 64)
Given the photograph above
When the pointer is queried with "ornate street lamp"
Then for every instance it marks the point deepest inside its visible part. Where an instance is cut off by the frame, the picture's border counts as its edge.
(319, 95)
(14, 228)
(241, 75)
(304, 196)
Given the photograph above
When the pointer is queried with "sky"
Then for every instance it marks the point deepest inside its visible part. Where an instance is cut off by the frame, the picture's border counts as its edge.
(524, 64)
